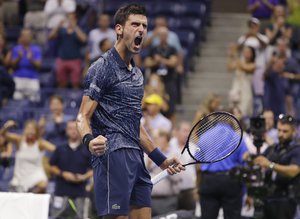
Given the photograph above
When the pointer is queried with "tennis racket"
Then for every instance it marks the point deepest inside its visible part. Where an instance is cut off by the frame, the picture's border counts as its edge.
(212, 139)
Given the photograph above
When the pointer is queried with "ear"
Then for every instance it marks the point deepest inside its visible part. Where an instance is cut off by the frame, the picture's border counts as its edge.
(119, 29)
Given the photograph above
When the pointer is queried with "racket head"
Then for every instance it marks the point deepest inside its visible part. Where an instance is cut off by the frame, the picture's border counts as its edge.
(214, 137)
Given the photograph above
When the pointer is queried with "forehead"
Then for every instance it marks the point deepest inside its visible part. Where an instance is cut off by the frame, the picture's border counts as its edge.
(284, 126)
(137, 18)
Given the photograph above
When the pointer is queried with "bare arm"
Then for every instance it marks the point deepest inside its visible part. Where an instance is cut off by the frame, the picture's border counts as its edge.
(97, 145)
(12, 137)
(247, 67)
(146, 141)
(170, 62)
(80, 34)
(253, 7)
(46, 145)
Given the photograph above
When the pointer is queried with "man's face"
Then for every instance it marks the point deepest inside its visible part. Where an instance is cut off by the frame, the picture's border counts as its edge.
(285, 132)
(269, 119)
(104, 21)
(72, 131)
(183, 132)
(134, 32)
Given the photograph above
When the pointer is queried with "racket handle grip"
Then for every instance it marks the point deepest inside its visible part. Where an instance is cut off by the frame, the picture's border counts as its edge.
(156, 179)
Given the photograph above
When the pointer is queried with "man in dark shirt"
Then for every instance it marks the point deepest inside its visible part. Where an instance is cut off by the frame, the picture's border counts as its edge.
(282, 165)
(71, 166)
(109, 123)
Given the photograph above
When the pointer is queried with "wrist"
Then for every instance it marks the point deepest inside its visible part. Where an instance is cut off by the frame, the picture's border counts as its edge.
(86, 140)
(157, 156)
(272, 165)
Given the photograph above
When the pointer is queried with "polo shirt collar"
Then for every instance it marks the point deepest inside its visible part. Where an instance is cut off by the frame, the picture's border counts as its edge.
(119, 60)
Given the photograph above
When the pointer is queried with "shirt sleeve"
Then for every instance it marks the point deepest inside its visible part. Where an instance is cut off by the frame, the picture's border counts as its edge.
(36, 54)
(96, 81)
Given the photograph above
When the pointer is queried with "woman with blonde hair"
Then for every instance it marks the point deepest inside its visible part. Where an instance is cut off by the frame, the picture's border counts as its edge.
(29, 174)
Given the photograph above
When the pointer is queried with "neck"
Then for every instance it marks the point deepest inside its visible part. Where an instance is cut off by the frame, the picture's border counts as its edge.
(124, 53)
(73, 141)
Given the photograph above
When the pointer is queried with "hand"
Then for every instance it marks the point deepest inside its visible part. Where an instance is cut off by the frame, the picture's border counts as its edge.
(97, 146)
(173, 165)
(29, 54)
(157, 58)
(249, 202)
(42, 121)
(10, 124)
(80, 177)
(262, 162)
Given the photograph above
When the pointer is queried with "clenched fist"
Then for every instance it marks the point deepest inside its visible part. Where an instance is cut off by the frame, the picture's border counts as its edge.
(97, 146)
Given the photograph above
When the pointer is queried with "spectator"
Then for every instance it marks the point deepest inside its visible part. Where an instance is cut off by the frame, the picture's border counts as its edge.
(97, 35)
(70, 163)
(26, 60)
(261, 9)
(187, 181)
(57, 10)
(153, 119)
(271, 136)
(294, 12)
(259, 42)
(29, 174)
(164, 194)
(7, 84)
(35, 19)
(53, 126)
(211, 103)
(277, 94)
(155, 85)
(241, 91)
(163, 60)
(278, 29)
(70, 40)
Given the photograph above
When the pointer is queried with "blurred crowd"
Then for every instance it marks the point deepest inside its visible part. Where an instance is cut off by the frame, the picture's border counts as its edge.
(46, 48)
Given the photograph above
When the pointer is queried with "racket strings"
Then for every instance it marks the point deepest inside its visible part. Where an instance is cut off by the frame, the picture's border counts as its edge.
(215, 137)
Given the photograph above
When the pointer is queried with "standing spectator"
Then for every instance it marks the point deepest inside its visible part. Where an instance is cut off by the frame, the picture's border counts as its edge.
(70, 40)
(187, 181)
(26, 60)
(152, 118)
(53, 126)
(29, 174)
(241, 91)
(163, 60)
(262, 9)
(70, 163)
(57, 10)
(97, 35)
(259, 42)
(277, 94)
(164, 195)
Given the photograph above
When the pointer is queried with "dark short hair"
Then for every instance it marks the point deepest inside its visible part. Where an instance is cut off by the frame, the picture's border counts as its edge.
(123, 13)
(287, 119)
(57, 97)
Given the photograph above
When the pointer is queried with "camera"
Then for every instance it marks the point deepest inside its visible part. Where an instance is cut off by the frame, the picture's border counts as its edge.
(258, 129)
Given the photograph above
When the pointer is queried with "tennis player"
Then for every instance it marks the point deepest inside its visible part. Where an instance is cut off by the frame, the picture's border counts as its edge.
(109, 123)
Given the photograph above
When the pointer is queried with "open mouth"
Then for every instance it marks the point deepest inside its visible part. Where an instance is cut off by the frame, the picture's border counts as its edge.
(138, 40)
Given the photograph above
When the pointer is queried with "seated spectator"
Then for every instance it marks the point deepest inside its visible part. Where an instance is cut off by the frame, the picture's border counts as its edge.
(187, 182)
(262, 9)
(70, 164)
(211, 103)
(29, 174)
(53, 126)
(97, 35)
(25, 60)
(57, 10)
(152, 118)
(164, 195)
(241, 91)
(277, 94)
(7, 84)
(70, 40)
(163, 60)
(155, 85)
